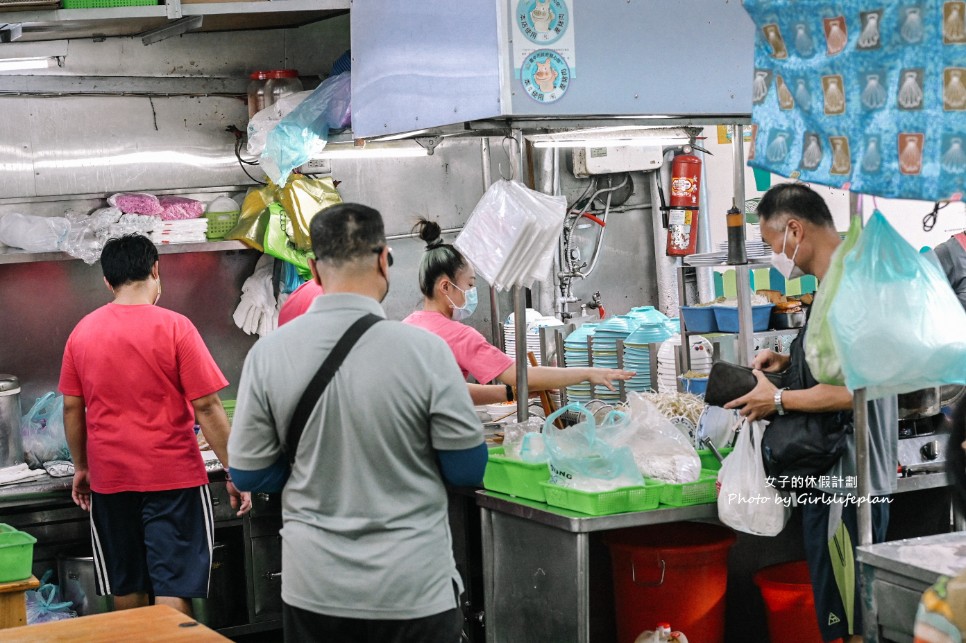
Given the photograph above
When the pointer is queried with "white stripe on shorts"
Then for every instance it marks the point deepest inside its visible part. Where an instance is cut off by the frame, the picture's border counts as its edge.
(100, 567)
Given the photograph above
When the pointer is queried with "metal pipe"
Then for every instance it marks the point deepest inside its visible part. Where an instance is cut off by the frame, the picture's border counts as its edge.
(746, 345)
(705, 276)
(665, 269)
(496, 325)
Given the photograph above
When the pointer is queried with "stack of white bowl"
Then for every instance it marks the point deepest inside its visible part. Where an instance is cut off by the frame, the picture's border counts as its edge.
(535, 321)
(701, 354)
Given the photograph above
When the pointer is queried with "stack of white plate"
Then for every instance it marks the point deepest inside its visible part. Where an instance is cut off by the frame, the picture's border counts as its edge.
(701, 354)
(535, 321)
(637, 354)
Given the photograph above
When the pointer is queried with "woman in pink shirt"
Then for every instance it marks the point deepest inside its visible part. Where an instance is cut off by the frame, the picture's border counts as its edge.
(448, 283)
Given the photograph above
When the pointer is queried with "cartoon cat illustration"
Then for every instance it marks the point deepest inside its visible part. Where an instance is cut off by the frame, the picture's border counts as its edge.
(545, 76)
(541, 16)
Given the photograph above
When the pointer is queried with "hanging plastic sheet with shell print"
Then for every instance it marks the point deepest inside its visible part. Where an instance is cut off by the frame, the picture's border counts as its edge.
(862, 95)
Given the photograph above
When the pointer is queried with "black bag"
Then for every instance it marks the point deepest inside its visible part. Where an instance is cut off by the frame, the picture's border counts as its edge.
(727, 382)
(803, 444)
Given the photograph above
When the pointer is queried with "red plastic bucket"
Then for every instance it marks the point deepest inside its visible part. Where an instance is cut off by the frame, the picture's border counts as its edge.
(787, 592)
(675, 573)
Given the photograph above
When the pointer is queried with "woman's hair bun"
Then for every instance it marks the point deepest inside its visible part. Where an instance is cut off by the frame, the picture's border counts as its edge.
(429, 232)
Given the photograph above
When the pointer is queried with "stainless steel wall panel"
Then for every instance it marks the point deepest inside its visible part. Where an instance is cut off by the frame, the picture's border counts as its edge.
(427, 64)
(41, 303)
(16, 150)
(79, 145)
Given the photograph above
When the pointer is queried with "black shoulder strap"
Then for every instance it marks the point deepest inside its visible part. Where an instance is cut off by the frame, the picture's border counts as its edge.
(313, 392)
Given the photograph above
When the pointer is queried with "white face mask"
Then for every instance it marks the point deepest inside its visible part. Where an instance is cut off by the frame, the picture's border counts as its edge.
(785, 265)
(158, 296)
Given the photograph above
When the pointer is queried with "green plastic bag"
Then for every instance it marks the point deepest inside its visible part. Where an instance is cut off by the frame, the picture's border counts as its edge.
(279, 241)
(820, 353)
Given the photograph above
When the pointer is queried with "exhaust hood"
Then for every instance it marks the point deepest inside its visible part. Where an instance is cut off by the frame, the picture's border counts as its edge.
(545, 64)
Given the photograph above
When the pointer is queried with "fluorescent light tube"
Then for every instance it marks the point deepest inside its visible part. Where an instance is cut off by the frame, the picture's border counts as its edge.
(18, 64)
(644, 141)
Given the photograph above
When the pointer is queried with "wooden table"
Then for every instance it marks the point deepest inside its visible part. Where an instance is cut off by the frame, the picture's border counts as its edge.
(13, 605)
(157, 623)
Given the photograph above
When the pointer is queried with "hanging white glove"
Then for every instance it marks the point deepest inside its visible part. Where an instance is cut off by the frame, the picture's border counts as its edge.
(256, 309)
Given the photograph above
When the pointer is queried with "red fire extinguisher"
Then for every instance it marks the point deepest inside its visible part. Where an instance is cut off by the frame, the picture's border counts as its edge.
(682, 228)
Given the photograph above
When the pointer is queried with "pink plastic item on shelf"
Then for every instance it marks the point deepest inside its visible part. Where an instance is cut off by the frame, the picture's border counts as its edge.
(136, 203)
(178, 207)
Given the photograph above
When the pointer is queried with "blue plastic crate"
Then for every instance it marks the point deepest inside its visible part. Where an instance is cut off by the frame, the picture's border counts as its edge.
(699, 319)
(727, 317)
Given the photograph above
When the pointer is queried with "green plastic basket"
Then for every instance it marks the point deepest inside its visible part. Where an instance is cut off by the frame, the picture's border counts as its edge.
(229, 408)
(708, 461)
(16, 554)
(700, 492)
(104, 4)
(220, 224)
(601, 503)
(515, 477)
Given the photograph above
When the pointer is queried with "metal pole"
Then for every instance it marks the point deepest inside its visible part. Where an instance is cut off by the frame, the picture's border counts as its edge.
(496, 322)
(520, 330)
(860, 410)
(860, 413)
(746, 345)
(520, 304)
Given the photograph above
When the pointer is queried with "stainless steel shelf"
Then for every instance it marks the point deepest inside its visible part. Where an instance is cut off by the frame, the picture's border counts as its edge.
(15, 255)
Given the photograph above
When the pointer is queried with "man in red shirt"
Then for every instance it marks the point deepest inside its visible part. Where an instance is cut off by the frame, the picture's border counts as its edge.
(136, 378)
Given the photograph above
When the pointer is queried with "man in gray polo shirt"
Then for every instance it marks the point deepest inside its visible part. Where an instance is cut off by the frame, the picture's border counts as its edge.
(366, 546)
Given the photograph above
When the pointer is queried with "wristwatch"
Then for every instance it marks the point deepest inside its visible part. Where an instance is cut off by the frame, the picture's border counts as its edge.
(778, 402)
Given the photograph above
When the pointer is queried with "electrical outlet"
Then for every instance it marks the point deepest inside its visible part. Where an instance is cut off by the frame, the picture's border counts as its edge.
(316, 166)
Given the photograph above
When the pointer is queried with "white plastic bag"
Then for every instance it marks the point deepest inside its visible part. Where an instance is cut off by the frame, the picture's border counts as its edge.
(33, 233)
(745, 500)
(512, 233)
(660, 450)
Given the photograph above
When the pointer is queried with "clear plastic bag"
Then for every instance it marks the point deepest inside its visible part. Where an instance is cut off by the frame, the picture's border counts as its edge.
(660, 450)
(44, 604)
(896, 321)
(579, 459)
(136, 203)
(511, 235)
(820, 353)
(89, 233)
(265, 120)
(291, 142)
(746, 502)
(42, 431)
(514, 434)
(33, 233)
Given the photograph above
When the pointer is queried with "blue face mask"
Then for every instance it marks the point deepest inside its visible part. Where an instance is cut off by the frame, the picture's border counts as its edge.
(469, 305)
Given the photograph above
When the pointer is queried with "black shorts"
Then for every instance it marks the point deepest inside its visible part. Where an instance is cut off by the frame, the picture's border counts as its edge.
(299, 626)
(830, 531)
(156, 542)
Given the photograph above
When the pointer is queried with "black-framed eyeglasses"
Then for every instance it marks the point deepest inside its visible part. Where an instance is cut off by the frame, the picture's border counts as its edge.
(388, 254)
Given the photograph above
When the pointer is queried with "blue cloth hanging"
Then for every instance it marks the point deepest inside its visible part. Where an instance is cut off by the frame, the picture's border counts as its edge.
(863, 95)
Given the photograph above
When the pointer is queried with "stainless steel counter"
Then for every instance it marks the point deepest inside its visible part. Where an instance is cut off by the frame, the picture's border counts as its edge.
(894, 576)
(50, 490)
(541, 564)
(575, 522)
